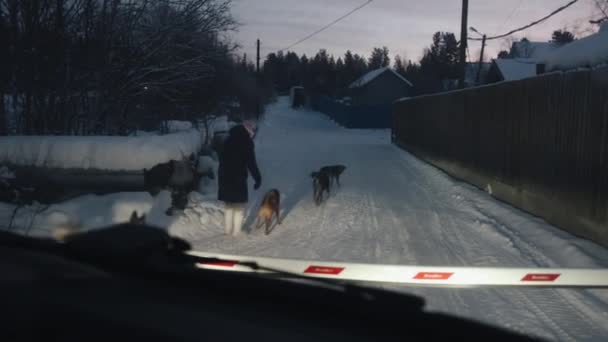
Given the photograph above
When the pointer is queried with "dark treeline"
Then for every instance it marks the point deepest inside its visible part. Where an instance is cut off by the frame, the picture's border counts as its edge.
(330, 75)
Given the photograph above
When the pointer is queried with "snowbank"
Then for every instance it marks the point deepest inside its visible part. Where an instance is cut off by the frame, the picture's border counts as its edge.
(221, 124)
(83, 213)
(140, 133)
(97, 152)
(90, 212)
(585, 52)
(177, 126)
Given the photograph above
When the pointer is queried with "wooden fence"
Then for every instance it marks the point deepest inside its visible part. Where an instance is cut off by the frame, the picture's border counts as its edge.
(540, 144)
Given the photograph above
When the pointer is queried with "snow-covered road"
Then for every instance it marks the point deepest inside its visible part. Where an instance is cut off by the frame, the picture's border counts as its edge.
(394, 209)
(391, 209)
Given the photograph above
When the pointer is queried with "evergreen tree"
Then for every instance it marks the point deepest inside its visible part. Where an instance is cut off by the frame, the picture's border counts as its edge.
(379, 58)
(562, 37)
(503, 54)
(360, 66)
(441, 59)
(399, 66)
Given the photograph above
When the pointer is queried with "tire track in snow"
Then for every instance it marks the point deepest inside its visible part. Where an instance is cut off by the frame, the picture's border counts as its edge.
(549, 297)
(550, 320)
(444, 228)
(373, 230)
(549, 305)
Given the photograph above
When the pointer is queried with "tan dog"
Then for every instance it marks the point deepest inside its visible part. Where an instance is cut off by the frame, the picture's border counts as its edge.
(270, 205)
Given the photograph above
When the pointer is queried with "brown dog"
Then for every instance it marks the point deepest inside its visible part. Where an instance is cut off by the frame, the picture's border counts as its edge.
(270, 205)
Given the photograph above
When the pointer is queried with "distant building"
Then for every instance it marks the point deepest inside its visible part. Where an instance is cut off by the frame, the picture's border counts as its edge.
(379, 87)
(297, 97)
(522, 61)
(588, 52)
(528, 59)
(508, 69)
(537, 51)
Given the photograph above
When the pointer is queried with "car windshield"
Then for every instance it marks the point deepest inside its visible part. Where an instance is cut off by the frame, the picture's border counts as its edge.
(455, 144)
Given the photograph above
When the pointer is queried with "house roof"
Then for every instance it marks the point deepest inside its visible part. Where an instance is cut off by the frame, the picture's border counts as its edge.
(585, 52)
(533, 50)
(589, 51)
(516, 69)
(365, 79)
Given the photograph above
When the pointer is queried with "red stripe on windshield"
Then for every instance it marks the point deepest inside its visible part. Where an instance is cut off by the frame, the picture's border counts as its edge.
(222, 263)
(324, 270)
(541, 277)
(433, 275)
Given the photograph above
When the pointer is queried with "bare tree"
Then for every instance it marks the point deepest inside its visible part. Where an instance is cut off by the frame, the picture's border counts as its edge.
(602, 8)
(95, 66)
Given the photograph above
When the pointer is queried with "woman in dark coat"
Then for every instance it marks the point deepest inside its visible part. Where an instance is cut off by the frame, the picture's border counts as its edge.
(236, 159)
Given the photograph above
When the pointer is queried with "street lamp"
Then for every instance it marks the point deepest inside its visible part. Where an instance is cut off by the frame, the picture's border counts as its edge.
(475, 30)
(483, 45)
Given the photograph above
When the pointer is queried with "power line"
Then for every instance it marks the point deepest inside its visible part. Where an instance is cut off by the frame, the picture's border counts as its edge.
(327, 26)
(532, 23)
(509, 17)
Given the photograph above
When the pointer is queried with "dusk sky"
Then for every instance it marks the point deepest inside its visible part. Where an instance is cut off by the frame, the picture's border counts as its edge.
(404, 26)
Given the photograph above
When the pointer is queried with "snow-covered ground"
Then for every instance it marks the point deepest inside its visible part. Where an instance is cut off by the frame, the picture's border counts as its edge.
(178, 126)
(391, 209)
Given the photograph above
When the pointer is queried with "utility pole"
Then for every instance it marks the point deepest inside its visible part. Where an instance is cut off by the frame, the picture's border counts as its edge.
(463, 42)
(258, 78)
(483, 46)
(257, 67)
